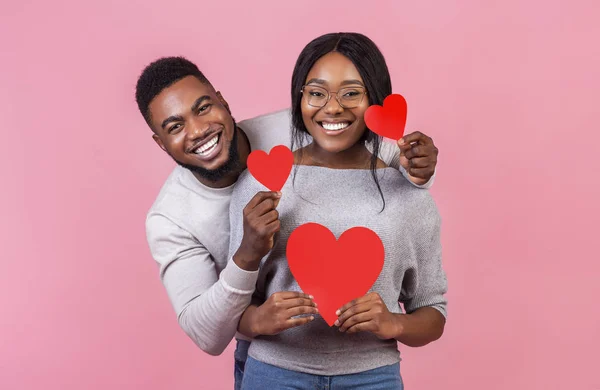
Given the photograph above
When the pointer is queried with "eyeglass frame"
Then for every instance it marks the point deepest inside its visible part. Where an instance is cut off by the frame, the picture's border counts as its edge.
(329, 93)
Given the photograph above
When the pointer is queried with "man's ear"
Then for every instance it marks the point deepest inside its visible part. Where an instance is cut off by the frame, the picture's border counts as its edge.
(159, 142)
(223, 101)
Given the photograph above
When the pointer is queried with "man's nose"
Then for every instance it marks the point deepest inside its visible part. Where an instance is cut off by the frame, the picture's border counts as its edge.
(198, 129)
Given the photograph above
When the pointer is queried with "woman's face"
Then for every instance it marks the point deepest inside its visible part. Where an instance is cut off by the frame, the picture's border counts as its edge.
(333, 127)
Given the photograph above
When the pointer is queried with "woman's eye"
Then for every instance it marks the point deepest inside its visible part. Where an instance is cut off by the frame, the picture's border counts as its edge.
(316, 94)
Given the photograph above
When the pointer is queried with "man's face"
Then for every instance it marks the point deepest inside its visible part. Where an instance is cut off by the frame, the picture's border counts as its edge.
(192, 123)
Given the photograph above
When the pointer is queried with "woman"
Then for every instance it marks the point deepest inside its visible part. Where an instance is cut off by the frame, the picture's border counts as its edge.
(338, 183)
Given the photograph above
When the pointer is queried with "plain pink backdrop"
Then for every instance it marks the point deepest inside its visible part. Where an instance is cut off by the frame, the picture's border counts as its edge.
(508, 90)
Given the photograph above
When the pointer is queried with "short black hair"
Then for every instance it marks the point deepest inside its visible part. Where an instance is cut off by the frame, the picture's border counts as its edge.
(371, 65)
(159, 75)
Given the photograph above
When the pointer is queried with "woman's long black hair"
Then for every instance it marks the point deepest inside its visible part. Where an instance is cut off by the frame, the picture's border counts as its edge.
(370, 63)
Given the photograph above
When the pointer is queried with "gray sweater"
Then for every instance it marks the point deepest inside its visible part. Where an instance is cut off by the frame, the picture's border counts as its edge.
(409, 228)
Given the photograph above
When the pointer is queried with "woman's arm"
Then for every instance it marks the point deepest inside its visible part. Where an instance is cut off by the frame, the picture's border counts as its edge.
(419, 328)
(247, 325)
(370, 314)
(423, 289)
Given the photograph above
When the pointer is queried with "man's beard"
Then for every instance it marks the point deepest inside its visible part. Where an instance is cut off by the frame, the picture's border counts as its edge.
(231, 165)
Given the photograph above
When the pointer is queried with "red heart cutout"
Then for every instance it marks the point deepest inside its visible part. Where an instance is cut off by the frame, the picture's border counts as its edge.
(273, 169)
(334, 271)
(389, 120)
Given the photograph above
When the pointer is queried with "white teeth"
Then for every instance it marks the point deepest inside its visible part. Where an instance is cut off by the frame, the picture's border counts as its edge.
(335, 126)
(207, 147)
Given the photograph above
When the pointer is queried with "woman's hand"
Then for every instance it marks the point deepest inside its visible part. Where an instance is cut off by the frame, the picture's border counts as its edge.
(368, 313)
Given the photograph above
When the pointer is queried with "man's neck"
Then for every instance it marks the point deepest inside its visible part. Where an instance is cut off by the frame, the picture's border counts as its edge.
(244, 149)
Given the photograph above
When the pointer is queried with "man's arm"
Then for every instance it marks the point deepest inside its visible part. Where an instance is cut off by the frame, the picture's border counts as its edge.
(208, 305)
(277, 314)
(416, 159)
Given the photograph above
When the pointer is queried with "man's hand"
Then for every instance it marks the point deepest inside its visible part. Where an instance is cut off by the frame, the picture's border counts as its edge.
(368, 313)
(418, 156)
(275, 315)
(261, 222)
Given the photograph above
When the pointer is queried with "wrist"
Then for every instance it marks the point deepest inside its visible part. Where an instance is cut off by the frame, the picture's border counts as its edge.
(246, 261)
(255, 322)
(418, 181)
(399, 325)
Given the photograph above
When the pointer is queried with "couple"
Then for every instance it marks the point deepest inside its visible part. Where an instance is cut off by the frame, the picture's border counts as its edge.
(341, 179)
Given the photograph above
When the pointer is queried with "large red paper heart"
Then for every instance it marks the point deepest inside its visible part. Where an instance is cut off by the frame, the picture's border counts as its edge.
(389, 120)
(273, 169)
(334, 272)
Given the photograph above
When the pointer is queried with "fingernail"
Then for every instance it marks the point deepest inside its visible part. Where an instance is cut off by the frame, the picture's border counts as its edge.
(278, 193)
(336, 323)
(311, 297)
(312, 318)
(401, 141)
(337, 313)
(317, 310)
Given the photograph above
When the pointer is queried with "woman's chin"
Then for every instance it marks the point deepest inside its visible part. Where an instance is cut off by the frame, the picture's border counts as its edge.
(333, 147)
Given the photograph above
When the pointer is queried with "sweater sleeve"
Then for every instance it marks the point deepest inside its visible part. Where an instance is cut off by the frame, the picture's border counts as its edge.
(426, 283)
(389, 153)
(208, 305)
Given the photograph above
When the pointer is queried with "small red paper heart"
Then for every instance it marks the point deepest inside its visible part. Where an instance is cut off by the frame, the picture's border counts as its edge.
(389, 120)
(334, 271)
(273, 169)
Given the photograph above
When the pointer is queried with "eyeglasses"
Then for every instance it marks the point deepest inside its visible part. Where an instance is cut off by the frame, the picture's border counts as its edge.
(349, 97)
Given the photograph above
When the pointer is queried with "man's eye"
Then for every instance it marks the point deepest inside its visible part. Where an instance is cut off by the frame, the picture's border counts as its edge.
(174, 128)
(204, 108)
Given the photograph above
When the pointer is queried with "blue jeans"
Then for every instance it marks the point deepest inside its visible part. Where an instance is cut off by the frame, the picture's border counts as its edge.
(260, 376)
(239, 356)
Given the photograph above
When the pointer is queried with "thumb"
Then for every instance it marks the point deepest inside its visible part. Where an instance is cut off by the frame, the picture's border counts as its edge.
(277, 199)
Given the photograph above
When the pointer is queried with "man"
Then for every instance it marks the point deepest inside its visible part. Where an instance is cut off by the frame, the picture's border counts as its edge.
(188, 225)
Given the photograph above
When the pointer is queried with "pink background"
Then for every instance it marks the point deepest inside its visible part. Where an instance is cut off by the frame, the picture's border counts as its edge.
(508, 90)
